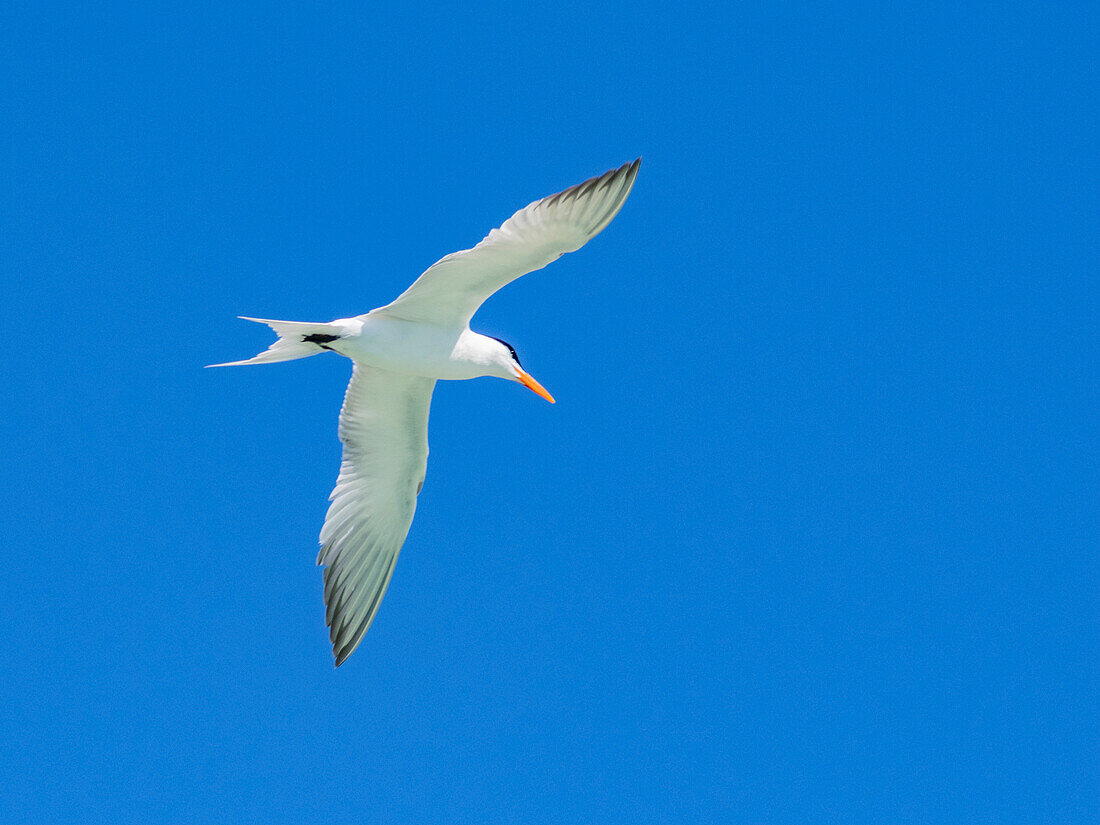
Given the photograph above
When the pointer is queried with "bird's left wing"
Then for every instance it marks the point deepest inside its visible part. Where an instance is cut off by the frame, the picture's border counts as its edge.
(384, 429)
(450, 291)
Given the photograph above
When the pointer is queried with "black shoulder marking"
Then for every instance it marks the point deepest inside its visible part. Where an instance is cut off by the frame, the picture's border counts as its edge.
(510, 348)
(319, 338)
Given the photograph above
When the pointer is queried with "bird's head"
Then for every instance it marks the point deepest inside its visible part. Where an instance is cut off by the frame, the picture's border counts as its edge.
(504, 357)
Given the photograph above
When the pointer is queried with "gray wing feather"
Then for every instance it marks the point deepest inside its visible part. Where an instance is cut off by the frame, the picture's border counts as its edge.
(450, 291)
(384, 429)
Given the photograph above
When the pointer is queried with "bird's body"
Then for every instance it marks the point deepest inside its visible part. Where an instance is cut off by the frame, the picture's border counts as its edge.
(399, 351)
(385, 342)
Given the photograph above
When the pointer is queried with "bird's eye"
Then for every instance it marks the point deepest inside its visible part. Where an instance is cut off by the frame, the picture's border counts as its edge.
(510, 349)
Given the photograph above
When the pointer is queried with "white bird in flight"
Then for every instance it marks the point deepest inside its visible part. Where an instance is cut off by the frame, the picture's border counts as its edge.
(399, 351)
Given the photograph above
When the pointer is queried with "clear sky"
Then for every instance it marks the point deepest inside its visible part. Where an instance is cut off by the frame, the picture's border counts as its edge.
(810, 536)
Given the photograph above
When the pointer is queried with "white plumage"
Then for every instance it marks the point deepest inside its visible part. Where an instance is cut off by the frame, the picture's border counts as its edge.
(399, 351)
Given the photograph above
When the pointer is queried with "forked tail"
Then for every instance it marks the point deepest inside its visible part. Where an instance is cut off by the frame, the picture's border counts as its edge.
(296, 340)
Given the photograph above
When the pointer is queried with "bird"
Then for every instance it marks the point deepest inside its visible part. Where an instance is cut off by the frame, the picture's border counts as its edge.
(398, 352)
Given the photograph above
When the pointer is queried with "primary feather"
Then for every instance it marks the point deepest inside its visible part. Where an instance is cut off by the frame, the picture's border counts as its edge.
(384, 430)
(451, 290)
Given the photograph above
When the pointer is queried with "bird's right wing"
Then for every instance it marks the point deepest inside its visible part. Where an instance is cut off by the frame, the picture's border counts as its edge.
(450, 291)
(384, 428)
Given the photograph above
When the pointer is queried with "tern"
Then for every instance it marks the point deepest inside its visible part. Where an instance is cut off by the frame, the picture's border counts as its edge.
(398, 352)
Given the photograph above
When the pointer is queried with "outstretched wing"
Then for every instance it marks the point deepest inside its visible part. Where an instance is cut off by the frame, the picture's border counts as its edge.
(451, 290)
(384, 428)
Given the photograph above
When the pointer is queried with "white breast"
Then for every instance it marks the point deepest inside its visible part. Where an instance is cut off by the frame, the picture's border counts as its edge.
(408, 347)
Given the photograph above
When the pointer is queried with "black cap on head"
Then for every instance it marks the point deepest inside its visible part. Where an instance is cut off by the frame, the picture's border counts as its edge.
(511, 349)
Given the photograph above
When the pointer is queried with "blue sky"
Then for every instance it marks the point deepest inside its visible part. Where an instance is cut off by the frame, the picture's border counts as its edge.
(810, 535)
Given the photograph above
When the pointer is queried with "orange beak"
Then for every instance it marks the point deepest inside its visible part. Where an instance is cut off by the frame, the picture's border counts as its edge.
(534, 386)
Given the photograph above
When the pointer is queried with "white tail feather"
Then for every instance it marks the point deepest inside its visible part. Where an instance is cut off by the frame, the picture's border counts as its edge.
(290, 344)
